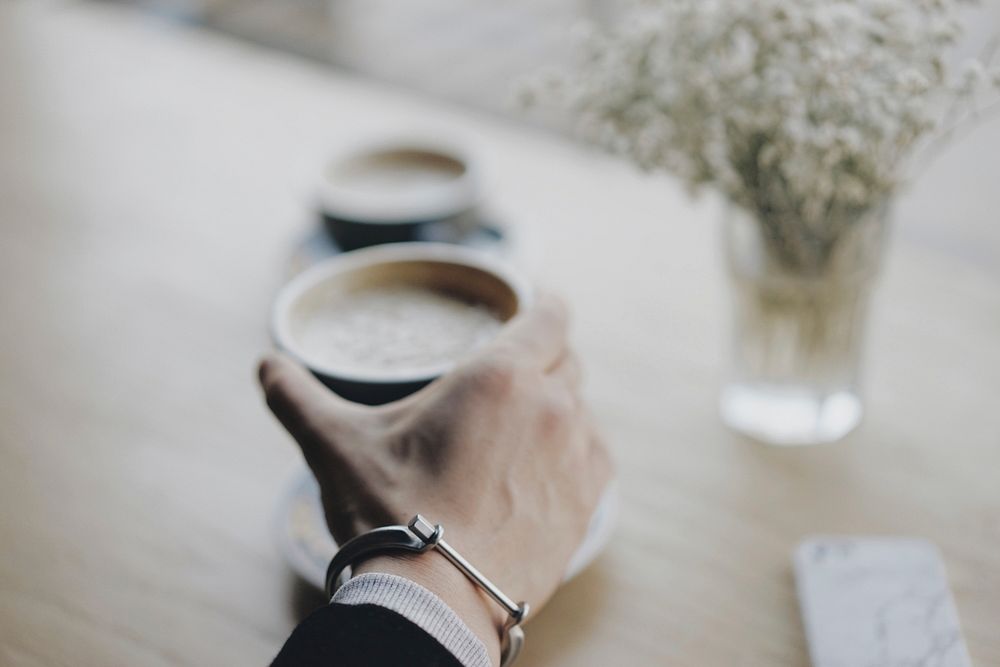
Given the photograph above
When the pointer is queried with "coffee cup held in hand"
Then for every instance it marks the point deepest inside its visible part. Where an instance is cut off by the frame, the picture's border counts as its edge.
(378, 324)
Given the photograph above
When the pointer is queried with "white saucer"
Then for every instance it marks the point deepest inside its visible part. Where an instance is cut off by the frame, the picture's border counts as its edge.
(305, 542)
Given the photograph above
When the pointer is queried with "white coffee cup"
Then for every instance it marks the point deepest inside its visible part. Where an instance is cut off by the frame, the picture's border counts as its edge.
(467, 274)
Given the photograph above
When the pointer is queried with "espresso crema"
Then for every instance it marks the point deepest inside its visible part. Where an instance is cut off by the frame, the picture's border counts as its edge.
(394, 328)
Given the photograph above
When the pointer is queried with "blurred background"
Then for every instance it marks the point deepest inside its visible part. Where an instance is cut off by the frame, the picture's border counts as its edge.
(468, 52)
(472, 51)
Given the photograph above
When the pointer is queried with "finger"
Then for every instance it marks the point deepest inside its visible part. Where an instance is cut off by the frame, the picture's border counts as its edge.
(304, 406)
(536, 337)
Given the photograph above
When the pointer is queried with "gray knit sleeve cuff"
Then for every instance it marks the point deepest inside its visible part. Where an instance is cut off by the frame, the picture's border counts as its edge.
(418, 605)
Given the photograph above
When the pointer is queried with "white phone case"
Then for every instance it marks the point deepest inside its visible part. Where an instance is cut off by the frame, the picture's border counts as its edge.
(877, 602)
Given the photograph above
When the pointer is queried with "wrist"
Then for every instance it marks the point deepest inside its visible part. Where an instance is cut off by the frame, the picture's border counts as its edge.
(432, 571)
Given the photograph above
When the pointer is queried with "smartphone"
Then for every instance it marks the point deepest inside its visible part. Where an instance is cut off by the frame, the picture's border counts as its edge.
(877, 602)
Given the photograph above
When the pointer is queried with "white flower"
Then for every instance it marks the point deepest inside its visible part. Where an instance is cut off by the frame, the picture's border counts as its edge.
(804, 110)
(973, 75)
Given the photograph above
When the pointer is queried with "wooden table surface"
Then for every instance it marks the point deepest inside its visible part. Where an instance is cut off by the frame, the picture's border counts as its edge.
(153, 181)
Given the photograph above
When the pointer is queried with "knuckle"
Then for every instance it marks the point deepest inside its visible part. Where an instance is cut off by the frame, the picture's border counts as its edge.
(555, 412)
(496, 376)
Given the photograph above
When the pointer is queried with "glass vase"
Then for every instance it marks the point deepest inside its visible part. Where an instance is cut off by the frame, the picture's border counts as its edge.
(800, 305)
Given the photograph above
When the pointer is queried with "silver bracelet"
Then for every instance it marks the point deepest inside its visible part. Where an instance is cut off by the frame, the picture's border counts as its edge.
(420, 536)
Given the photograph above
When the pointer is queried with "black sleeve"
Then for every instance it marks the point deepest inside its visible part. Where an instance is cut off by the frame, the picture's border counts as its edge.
(361, 636)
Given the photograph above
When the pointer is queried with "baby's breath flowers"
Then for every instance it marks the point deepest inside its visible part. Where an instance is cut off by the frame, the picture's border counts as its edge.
(806, 113)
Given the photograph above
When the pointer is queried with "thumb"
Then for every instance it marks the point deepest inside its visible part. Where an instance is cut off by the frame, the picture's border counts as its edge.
(310, 412)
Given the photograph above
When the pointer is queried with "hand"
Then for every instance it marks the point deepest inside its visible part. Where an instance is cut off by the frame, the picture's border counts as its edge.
(501, 451)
